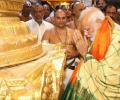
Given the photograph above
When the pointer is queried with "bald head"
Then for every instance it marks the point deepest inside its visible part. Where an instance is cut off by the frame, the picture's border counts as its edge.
(91, 19)
(60, 18)
(59, 12)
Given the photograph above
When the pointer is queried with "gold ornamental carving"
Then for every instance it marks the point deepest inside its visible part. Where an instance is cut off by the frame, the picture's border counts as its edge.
(28, 70)
(10, 7)
(17, 43)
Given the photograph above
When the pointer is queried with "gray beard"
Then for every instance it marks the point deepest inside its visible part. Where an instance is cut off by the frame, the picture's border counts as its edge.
(92, 37)
(93, 34)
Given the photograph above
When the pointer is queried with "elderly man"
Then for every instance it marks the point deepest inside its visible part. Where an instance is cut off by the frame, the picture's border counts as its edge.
(98, 76)
(37, 25)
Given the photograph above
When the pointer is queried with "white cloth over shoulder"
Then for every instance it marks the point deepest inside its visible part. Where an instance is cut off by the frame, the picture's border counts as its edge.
(39, 29)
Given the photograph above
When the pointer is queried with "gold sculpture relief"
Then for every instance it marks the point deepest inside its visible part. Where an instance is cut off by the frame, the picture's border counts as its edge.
(15, 40)
(10, 7)
(28, 70)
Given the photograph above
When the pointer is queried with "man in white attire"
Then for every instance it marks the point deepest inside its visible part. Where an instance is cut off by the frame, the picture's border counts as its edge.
(37, 25)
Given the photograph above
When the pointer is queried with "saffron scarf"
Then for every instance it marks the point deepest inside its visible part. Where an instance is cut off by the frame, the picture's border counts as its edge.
(102, 39)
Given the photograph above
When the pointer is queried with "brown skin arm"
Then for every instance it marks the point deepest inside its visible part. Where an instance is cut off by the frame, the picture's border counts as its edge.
(46, 36)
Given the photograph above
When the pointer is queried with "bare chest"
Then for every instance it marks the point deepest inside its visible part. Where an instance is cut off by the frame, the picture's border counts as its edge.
(62, 37)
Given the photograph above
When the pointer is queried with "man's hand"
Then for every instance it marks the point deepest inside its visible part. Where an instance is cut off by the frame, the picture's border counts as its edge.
(81, 43)
(69, 51)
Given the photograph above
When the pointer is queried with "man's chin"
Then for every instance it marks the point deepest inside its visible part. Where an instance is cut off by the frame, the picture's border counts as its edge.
(39, 21)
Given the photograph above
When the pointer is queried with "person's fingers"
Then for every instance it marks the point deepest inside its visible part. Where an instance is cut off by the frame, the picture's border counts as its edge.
(81, 42)
(78, 34)
(75, 36)
(85, 39)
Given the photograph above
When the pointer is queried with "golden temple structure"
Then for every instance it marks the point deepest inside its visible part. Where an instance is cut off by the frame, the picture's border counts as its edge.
(28, 69)
(10, 7)
(17, 43)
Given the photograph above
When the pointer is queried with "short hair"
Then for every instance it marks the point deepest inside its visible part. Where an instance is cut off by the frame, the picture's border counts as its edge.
(109, 5)
(35, 5)
(97, 1)
(57, 7)
(95, 14)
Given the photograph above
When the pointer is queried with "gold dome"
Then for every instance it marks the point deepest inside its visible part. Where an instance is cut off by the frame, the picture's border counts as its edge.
(10, 7)
(17, 43)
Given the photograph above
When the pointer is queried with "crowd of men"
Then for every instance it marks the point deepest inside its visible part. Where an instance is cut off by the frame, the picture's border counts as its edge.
(91, 37)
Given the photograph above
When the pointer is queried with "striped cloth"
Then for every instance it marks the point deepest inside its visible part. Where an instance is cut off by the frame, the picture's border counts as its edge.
(97, 80)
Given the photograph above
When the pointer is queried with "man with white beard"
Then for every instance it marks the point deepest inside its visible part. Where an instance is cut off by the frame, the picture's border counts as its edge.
(97, 76)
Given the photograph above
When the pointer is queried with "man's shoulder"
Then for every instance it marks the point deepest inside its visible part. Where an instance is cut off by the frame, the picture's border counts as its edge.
(117, 27)
(50, 31)
(47, 23)
(29, 21)
(116, 30)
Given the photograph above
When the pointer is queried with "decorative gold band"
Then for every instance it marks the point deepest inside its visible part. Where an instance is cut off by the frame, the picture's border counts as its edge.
(12, 6)
(19, 56)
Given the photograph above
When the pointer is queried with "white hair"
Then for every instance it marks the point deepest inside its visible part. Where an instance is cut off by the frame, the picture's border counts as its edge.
(95, 14)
